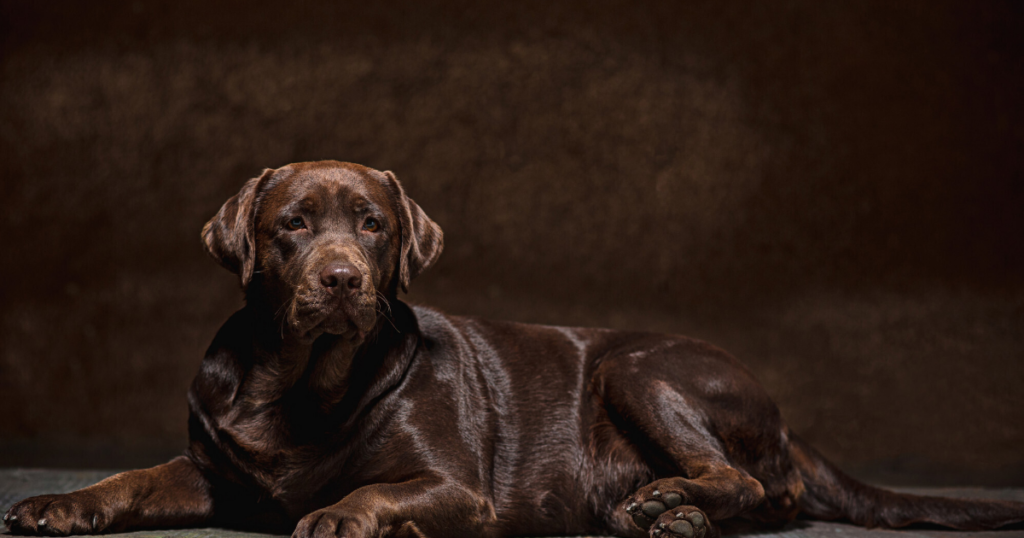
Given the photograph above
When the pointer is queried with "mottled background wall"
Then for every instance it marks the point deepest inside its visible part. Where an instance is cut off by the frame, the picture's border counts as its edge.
(834, 191)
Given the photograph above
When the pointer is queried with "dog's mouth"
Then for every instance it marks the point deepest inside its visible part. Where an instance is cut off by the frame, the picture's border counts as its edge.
(351, 318)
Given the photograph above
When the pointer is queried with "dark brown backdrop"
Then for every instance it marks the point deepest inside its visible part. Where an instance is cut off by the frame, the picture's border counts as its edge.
(832, 191)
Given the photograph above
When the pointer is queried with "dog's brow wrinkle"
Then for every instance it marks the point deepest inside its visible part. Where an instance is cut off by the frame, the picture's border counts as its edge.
(361, 204)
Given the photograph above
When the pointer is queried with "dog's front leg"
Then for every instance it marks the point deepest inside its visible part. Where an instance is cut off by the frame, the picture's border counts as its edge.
(420, 508)
(174, 494)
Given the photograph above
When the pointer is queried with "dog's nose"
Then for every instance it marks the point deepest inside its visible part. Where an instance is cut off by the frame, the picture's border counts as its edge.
(341, 278)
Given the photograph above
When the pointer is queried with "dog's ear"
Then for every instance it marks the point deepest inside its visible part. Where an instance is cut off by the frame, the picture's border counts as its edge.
(422, 238)
(230, 236)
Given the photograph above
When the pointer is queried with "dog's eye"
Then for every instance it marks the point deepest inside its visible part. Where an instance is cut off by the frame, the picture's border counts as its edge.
(296, 224)
(371, 225)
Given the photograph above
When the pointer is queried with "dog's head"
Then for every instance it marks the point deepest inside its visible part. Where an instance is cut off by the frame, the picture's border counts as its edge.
(321, 242)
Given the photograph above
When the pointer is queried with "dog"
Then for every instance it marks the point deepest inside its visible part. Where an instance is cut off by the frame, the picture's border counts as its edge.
(330, 408)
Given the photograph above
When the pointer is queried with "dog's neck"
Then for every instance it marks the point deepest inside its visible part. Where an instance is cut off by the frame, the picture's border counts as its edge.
(286, 365)
(320, 369)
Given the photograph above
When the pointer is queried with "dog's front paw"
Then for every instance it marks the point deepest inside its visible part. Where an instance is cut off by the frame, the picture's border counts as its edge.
(683, 522)
(648, 504)
(331, 522)
(57, 515)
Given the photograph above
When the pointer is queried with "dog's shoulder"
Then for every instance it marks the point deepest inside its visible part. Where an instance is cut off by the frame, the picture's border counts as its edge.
(451, 336)
(227, 359)
(441, 330)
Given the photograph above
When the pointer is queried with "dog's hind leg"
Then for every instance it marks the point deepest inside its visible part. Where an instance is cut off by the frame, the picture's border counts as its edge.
(688, 506)
(703, 425)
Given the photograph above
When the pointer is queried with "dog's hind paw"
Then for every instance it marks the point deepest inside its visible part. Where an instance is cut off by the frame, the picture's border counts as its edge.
(646, 507)
(683, 521)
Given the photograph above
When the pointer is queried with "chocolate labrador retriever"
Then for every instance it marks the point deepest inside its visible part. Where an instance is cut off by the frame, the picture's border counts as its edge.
(328, 407)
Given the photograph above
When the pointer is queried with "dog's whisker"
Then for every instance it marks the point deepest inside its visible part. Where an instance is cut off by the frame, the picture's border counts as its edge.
(382, 299)
(288, 305)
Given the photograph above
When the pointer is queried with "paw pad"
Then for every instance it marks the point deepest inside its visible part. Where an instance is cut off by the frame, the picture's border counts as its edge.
(672, 500)
(692, 525)
(653, 508)
(645, 512)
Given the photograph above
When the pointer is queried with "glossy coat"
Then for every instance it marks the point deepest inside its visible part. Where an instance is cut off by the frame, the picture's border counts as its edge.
(333, 411)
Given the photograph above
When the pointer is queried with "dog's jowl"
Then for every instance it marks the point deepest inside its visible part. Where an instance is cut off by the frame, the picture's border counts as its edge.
(328, 407)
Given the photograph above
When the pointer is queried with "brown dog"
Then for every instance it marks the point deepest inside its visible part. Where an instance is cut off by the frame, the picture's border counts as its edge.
(329, 407)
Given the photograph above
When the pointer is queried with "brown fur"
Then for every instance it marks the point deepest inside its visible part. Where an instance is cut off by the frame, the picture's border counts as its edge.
(331, 408)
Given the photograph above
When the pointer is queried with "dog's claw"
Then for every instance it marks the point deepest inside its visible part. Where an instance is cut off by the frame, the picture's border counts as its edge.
(42, 522)
(656, 493)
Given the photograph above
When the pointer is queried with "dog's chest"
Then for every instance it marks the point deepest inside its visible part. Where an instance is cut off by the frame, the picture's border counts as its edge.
(278, 448)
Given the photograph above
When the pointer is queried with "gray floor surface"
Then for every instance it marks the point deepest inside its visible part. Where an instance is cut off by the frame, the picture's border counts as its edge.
(16, 484)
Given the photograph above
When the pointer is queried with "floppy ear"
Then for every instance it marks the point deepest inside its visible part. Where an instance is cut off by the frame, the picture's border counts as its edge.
(422, 238)
(230, 237)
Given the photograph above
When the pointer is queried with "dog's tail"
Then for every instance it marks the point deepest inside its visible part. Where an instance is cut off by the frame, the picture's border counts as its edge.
(829, 494)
